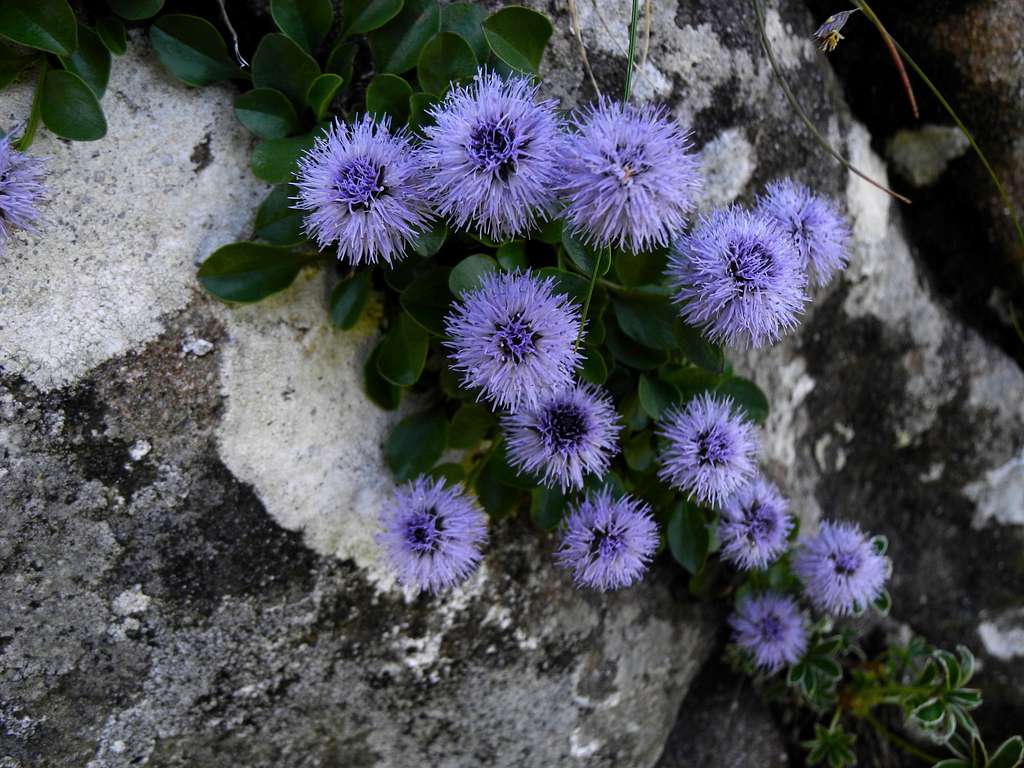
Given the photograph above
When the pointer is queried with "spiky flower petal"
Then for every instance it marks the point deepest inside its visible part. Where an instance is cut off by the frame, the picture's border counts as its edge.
(770, 628)
(21, 189)
(841, 569)
(362, 188)
(608, 543)
(754, 525)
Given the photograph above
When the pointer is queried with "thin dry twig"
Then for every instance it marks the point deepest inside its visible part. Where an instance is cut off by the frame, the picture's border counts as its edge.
(647, 35)
(574, 21)
(894, 54)
(234, 35)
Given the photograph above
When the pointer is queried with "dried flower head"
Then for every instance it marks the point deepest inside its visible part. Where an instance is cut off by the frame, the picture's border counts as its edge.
(630, 176)
(432, 534)
(738, 278)
(754, 525)
(513, 337)
(21, 189)
(492, 157)
(608, 543)
(814, 225)
(362, 188)
(570, 434)
(828, 33)
(711, 449)
(842, 570)
(770, 628)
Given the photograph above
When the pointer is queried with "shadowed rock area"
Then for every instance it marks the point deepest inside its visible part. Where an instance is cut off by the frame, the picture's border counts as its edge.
(188, 574)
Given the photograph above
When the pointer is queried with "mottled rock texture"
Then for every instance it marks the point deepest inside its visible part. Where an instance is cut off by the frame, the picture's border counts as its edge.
(187, 572)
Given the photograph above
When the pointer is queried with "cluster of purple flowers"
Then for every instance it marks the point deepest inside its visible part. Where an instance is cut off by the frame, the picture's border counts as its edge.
(21, 189)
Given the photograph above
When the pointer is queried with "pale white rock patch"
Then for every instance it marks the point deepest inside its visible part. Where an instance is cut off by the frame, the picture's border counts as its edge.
(923, 154)
(128, 218)
(727, 164)
(999, 494)
(1003, 636)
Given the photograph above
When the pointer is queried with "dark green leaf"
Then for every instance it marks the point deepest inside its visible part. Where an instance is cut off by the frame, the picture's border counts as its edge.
(828, 667)
(304, 21)
(111, 32)
(12, 62)
(47, 25)
(381, 391)
(428, 299)
(547, 505)
(90, 61)
(690, 381)
(136, 10)
(699, 350)
(640, 268)
(656, 395)
(397, 45)
(551, 232)
(341, 59)
(348, 299)
(321, 93)
(69, 108)
(452, 474)
(281, 64)
(496, 498)
(403, 273)
(583, 257)
(416, 443)
(652, 323)
(248, 272)
(594, 369)
(362, 16)
(572, 285)
(518, 36)
(446, 58)
(389, 95)
(638, 452)
(403, 353)
(419, 115)
(883, 603)
(747, 395)
(1010, 754)
(512, 256)
(429, 242)
(470, 425)
(467, 274)
(629, 352)
(929, 713)
(688, 538)
(192, 49)
(266, 112)
(508, 474)
(465, 20)
(952, 762)
(274, 160)
(276, 221)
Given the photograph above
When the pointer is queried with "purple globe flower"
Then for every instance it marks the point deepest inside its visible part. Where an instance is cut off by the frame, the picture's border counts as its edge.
(630, 177)
(432, 534)
(21, 189)
(492, 156)
(570, 434)
(362, 187)
(813, 224)
(608, 543)
(513, 337)
(754, 526)
(842, 570)
(711, 451)
(770, 628)
(738, 278)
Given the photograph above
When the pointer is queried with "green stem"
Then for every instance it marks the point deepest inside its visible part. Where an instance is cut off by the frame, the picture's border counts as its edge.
(803, 115)
(634, 293)
(899, 741)
(632, 49)
(959, 124)
(34, 112)
(590, 295)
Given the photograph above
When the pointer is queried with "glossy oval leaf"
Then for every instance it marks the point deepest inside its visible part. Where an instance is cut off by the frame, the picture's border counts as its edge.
(70, 109)
(404, 352)
(429, 242)
(512, 256)
(307, 22)
(90, 61)
(585, 257)
(747, 396)
(656, 395)
(688, 537)
(446, 58)
(46, 25)
(466, 275)
(652, 323)
(274, 160)
(279, 63)
(388, 96)
(381, 392)
(12, 62)
(322, 92)
(699, 350)
(397, 45)
(594, 369)
(112, 34)
(248, 272)
(547, 506)
(341, 59)
(415, 444)
(466, 20)
(192, 49)
(470, 425)
(276, 221)
(428, 299)
(136, 10)
(348, 300)
(361, 16)
(518, 36)
(266, 112)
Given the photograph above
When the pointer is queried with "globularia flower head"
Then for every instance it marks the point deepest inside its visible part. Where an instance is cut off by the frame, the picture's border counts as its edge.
(513, 337)
(739, 278)
(754, 525)
(432, 534)
(607, 542)
(828, 34)
(571, 433)
(362, 188)
(711, 449)
(813, 224)
(842, 570)
(770, 628)
(630, 177)
(492, 155)
(21, 189)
